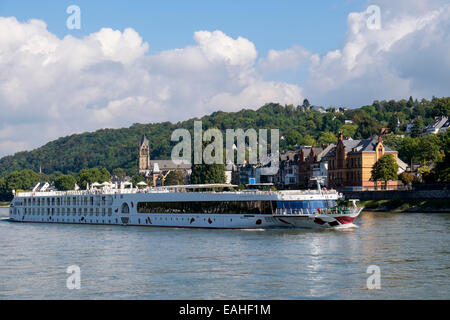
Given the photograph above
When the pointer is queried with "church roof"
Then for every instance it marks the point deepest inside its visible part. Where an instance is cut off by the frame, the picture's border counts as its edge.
(144, 140)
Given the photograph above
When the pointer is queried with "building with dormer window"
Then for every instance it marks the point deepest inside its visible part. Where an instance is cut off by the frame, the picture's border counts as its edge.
(350, 163)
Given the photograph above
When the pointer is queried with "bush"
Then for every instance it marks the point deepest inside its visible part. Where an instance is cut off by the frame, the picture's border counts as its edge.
(406, 178)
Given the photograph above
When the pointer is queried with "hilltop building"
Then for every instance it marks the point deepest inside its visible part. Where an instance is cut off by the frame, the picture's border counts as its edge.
(157, 170)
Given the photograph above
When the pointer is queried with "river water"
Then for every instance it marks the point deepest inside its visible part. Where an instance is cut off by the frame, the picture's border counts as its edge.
(411, 250)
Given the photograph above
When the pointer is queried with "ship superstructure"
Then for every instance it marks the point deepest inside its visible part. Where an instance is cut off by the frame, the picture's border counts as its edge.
(194, 206)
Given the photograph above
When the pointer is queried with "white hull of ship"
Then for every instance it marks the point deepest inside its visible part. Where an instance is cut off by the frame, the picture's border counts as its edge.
(106, 208)
(210, 221)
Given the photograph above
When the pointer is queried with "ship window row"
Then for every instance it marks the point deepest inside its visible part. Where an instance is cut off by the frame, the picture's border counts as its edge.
(310, 204)
(66, 201)
(226, 207)
(68, 212)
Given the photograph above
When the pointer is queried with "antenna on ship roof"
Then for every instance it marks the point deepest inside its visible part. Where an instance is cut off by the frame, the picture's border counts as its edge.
(319, 180)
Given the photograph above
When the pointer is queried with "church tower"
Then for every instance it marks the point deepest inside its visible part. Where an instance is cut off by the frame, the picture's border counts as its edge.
(144, 155)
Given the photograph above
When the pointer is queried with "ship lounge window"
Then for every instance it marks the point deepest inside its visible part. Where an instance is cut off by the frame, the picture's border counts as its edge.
(310, 204)
(235, 207)
(125, 208)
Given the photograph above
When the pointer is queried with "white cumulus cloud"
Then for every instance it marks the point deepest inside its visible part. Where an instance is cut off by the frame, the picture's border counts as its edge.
(50, 87)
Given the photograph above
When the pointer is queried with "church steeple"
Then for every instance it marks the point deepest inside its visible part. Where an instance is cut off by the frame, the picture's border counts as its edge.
(144, 155)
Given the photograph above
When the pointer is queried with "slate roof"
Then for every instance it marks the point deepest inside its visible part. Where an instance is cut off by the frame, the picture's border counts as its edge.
(325, 152)
(291, 156)
(367, 145)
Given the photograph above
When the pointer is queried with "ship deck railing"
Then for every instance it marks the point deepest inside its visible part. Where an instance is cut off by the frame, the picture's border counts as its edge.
(111, 191)
(308, 212)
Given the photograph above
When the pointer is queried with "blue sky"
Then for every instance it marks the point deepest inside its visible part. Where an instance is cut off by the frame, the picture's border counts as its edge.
(318, 26)
(150, 61)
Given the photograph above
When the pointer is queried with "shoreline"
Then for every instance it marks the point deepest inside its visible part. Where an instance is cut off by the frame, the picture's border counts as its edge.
(407, 206)
(413, 210)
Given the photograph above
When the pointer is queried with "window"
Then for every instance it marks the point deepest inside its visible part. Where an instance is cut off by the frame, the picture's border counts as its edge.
(126, 209)
(238, 207)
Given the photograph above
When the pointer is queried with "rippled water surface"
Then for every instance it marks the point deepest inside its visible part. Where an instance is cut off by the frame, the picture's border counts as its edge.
(411, 250)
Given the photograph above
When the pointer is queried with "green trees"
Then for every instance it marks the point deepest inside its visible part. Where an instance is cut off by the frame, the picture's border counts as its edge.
(385, 169)
(208, 173)
(406, 178)
(118, 148)
(416, 130)
(136, 179)
(92, 175)
(17, 180)
(119, 172)
(441, 107)
(348, 130)
(65, 182)
(431, 147)
(442, 169)
(175, 178)
(306, 103)
(367, 125)
(327, 138)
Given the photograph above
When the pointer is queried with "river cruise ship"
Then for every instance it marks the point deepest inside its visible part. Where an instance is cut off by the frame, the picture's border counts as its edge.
(190, 206)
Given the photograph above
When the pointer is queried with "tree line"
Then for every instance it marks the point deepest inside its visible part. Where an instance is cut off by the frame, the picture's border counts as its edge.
(117, 149)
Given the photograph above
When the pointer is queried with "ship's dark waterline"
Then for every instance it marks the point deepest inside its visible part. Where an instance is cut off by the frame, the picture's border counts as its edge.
(158, 263)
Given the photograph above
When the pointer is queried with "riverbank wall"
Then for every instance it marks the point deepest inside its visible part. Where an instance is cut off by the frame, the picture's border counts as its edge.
(397, 194)
(403, 201)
